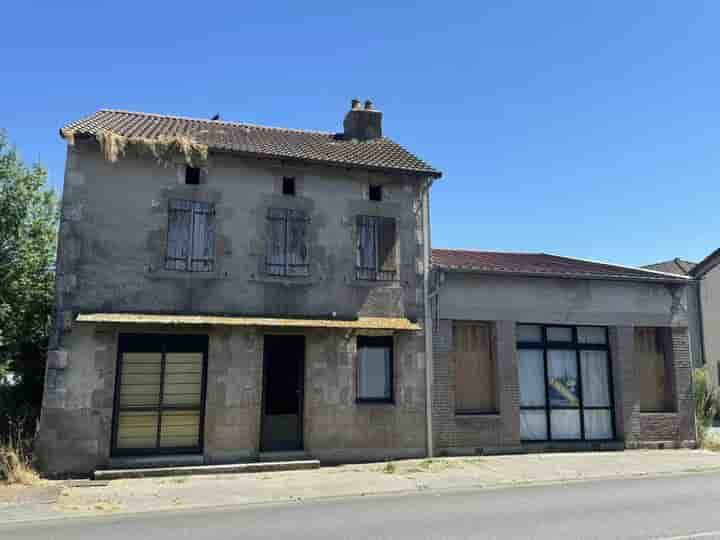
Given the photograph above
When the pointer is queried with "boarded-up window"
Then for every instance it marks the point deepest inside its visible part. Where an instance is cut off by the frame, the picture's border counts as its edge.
(191, 236)
(475, 370)
(652, 356)
(376, 257)
(287, 249)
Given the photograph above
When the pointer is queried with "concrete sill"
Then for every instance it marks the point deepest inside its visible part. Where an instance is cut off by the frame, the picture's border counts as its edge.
(190, 276)
(368, 284)
(299, 281)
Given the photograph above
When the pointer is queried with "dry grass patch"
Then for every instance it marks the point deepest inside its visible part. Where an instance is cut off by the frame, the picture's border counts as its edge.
(712, 442)
(16, 459)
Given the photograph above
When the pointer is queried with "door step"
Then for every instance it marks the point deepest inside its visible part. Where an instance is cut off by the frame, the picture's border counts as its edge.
(235, 468)
(293, 455)
(145, 462)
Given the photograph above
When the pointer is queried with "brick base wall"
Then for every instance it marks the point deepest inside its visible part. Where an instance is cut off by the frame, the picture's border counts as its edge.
(473, 434)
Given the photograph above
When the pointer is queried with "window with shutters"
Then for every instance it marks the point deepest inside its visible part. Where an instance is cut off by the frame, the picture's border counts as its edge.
(287, 250)
(190, 236)
(475, 374)
(654, 361)
(376, 249)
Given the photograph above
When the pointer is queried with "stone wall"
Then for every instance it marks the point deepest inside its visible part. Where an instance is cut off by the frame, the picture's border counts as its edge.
(111, 249)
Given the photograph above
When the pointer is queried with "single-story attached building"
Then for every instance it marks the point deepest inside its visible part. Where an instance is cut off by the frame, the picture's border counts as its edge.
(539, 352)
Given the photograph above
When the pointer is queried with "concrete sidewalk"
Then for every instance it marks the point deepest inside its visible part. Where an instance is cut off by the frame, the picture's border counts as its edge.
(79, 498)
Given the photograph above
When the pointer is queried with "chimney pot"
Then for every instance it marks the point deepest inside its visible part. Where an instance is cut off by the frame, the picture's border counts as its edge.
(362, 124)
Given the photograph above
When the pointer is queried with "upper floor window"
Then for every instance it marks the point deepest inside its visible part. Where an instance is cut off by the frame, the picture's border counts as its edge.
(375, 193)
(192, 176)
(287, 251)
(288, 185)
(190, 236)
(375, 257)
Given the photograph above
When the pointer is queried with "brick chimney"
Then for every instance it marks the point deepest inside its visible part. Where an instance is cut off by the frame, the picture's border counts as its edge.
(362, 123)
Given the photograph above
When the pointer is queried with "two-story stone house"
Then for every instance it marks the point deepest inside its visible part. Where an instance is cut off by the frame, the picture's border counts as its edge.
(230, 292)
(226, 290)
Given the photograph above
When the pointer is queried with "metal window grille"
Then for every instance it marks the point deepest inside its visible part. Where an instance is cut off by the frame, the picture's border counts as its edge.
(191, 236)
(375, 258)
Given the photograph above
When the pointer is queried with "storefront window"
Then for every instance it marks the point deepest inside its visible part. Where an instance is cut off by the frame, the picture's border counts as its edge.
(565, 383)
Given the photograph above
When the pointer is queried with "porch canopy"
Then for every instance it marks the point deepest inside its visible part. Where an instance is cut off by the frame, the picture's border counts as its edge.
(361, 323)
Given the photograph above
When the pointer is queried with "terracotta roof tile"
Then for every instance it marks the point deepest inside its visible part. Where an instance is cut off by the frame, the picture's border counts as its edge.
(313, 146)
(541, 264)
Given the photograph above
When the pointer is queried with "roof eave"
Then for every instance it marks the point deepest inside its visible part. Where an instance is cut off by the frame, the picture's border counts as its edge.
(570, 275)
(430, 173)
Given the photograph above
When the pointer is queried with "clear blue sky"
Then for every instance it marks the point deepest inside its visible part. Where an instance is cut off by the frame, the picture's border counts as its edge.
(586, 128)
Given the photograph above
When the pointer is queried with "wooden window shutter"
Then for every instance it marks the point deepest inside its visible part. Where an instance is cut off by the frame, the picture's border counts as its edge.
(366, 248)
(178, 235)
(203, 238)
(386, 245)
(275, 252)
(297, 248)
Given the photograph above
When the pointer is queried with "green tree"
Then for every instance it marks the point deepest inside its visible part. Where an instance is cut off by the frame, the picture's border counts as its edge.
(28, 236)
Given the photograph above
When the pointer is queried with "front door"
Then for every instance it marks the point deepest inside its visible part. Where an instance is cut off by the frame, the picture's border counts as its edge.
(283, 378)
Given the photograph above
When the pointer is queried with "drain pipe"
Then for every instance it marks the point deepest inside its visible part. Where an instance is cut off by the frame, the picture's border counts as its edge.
(428, 318)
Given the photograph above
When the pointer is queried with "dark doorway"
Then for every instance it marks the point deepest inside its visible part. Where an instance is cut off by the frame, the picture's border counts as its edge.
(284, 374)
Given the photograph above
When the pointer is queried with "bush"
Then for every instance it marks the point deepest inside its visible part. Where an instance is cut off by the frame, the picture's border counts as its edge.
(16, 458)
(707, 403)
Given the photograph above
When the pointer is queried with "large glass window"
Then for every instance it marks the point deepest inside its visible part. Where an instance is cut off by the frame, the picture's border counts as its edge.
(565, 383)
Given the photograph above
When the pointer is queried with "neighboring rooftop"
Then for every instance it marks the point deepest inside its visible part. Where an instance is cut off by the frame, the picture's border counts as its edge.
(673, 266)
(707, 264)
(356, 150)
(541, 264)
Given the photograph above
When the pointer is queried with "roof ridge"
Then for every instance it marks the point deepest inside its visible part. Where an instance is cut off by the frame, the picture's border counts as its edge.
(617, 265)
(490, 251)
(221, 122)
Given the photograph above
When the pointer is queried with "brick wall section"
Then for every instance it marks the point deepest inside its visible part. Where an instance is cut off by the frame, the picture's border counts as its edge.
(463, 434)
(676, 427)
(459, 434)
(625, 392)
(638, 429)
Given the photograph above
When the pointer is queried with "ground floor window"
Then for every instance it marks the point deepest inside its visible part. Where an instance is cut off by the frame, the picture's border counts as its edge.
(653, 356)
(565, 383)
(475, 372)
(375, 368)
(160, 391)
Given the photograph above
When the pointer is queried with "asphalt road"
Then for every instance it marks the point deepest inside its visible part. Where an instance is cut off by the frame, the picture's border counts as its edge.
(670, 507)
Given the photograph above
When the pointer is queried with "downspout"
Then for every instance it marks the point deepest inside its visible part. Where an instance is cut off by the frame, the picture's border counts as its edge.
(701, 319)
(428, 319)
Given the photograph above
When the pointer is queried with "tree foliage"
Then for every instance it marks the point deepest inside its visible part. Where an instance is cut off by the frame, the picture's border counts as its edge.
(28, 236)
